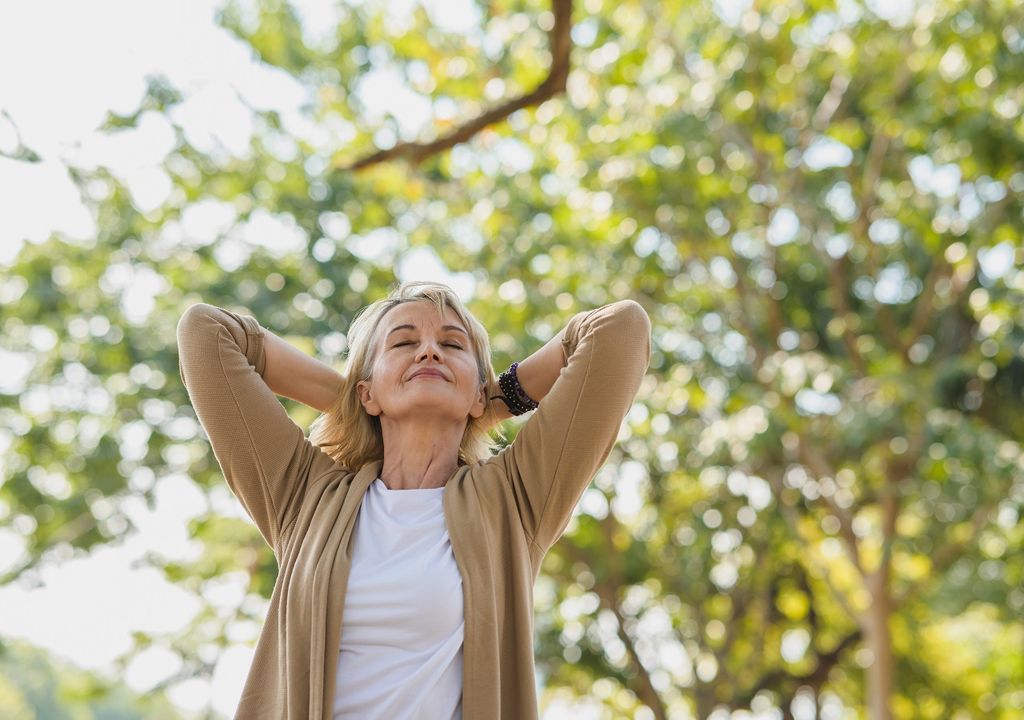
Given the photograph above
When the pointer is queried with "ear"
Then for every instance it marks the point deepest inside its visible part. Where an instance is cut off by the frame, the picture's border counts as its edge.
(481, 402)
(369, 404)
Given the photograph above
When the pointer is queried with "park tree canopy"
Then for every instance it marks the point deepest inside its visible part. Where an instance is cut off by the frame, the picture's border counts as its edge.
(815, 501)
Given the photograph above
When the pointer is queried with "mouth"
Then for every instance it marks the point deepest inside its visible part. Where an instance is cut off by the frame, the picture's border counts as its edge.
(429, 374)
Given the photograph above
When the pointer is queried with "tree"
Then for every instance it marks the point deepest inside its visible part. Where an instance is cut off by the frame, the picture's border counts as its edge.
(35, 685)
(819, 205)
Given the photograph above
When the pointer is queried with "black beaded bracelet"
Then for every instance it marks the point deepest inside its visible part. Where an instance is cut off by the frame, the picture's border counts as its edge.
(514, 396)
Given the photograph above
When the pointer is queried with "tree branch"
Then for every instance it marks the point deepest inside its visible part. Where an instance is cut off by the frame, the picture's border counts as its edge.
(947, 554)
(837, 281)
(865, 189)
(925, 301)
(898, 471)
(830, 103)
(560, 44)
(606, 592)
(761, 351)
(820, 467)
(816, 677)
(21, 152)
(775, 480)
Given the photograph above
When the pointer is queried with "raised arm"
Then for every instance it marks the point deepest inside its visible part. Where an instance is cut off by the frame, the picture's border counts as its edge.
(558, 451)
(265, 457)
(293, 374)
(537, 373)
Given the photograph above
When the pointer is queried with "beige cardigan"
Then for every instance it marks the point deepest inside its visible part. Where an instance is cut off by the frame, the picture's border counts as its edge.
(502, 514)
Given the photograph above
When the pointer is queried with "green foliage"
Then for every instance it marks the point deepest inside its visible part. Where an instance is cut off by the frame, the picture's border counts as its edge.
(810, 200)
(35, 685)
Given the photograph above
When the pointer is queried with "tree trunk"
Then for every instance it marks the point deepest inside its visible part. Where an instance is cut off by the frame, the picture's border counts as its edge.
(703, 700)
(881, 672)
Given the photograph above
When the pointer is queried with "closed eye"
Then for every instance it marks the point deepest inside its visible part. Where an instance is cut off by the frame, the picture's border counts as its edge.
(407, 342)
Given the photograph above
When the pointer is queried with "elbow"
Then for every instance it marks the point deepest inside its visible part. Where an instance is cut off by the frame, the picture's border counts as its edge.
(197, 318)
(201, 314)
(625, 319)
(638, 313)
(630, 327)
(205, 324)
(192, 313)
(638, 324)
(624, 325)
(634, 319)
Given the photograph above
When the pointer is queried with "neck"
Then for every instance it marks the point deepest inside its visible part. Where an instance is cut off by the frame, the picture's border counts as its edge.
(419, 453)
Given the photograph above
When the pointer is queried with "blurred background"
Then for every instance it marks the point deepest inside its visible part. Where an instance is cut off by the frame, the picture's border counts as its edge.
(814, 508)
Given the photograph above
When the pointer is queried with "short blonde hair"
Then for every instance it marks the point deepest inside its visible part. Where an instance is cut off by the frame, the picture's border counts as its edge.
(353, 437)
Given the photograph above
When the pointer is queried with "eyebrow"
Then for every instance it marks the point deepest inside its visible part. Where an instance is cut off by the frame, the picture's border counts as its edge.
(413, 327)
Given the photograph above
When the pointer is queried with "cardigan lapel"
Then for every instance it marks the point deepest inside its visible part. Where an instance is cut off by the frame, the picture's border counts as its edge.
(332, 586)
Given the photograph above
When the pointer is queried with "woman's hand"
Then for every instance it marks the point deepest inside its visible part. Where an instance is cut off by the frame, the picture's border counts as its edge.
(497, 411)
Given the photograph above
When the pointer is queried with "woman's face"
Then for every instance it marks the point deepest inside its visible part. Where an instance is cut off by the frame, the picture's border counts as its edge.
(414, 337)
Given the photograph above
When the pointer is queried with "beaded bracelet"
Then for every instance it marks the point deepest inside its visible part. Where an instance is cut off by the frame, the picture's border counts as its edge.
(514, 396)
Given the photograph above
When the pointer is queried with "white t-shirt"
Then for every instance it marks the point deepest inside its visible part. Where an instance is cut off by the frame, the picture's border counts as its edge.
(403, 621)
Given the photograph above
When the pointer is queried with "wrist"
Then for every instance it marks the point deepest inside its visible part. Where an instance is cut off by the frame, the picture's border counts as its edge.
(513, 394)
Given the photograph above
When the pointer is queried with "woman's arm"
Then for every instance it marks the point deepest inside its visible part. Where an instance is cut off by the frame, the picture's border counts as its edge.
(557, 452)
(294, 374)
(537, 373)
(266, 459)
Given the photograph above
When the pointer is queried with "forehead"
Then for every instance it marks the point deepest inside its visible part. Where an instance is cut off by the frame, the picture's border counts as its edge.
(421, 314)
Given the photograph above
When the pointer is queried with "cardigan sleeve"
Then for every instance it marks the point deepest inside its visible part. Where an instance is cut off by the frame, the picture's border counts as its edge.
(265, 457)
(561, 447)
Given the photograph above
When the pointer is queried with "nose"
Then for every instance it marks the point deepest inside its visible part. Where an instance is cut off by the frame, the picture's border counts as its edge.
(430, 349)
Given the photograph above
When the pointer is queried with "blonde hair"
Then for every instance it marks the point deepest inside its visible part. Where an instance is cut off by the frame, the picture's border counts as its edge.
(353, 437)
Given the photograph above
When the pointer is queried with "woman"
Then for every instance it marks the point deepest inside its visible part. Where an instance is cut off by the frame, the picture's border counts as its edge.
(395, 514)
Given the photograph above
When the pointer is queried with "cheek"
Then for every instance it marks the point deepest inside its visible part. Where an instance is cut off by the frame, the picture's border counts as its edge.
(471, 377)
(387, 370)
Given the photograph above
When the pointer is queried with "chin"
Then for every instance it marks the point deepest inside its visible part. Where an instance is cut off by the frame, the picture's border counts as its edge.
(432, 406)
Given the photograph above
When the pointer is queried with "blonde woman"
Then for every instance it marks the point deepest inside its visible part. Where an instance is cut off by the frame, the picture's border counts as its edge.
(407, 543)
